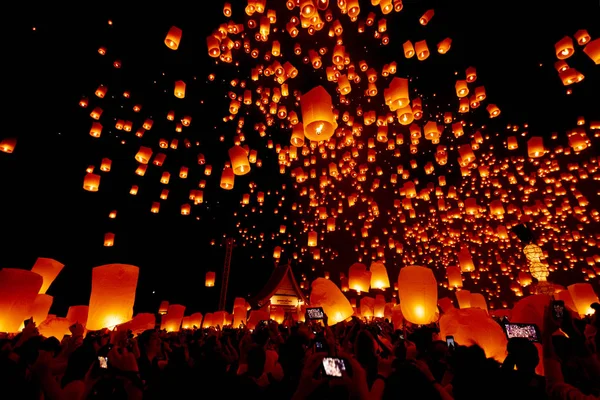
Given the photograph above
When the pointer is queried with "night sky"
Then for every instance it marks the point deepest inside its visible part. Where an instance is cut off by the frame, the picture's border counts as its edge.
(53, 62)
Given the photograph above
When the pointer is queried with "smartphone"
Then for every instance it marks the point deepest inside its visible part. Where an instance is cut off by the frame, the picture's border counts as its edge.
(450, 342)
(333, 367)
(558, 309)
(103, 362)
(315, 313)
(529, 331)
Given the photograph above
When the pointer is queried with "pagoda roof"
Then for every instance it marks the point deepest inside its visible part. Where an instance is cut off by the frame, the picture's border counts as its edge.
(282, 279)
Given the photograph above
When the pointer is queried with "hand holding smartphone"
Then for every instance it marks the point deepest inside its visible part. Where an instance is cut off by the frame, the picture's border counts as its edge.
(315, 313)
(333, 367)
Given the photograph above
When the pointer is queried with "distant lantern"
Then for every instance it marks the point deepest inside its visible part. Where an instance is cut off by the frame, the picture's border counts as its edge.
(210, 279)
(109, 239)
(48, 269)
(227, 179)
(173, 38)
(359, 278)
(239, 160)
(325, 294)
(317, 115)
(163, 307)
(179, 89)
(312, 239)
(113, 295)
(143, 155)
(379, 276)
(417, 289)
(18, 290)
(91, 182)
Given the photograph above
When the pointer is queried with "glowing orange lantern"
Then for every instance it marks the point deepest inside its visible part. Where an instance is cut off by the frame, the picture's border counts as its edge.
(210, 279)
(379, 276)
(239, 160)
(417, 289)
(48, 269)
(359, 278)
(317, 114)
(172, 320)
(324, 293)
(583, 296)
(173, 38)
(113, 295)
(91, 182)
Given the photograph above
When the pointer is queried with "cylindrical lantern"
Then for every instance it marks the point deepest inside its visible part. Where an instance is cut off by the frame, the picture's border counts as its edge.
(317, 114)
(78, 315)
(113, 295)
(239, 160)
(583, 296)
(210, 279)
(172, 320)
(379, 276)
(91, 182)
(417, 289)
(41, 306)
(18, 291)
(327, 295)
(359, 278)
(163, 307)
(48, 269)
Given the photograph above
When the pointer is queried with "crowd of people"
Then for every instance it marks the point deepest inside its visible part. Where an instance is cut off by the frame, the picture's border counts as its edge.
(295, 360)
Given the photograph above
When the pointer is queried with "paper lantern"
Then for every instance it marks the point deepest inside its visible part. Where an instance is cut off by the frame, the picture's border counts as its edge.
(324, 293)
(583, 296)
(210, 279)
(367, 307)
(173, 38)
(396, 95)
(91, 182)
(208, 321)
(533, 252)
(78, 315)
(277, 314)
(397, 317)
(195, 320)
(379, 276)
(312, 239)
(219, 318)
(8, 145)
(593, 50)
(239, 160)
(417, 289)
(535, 147)
(379, 306)
(54, 326)
(564, 48)
(163, 307)
(464, 259)
(48, 269)
(255, 317)
(454, 277)
(239, 316)
(478, 301)
(40, 307)
(143, 155)
(359, 278)
(171, 321)
(464, 299)
(227, 179)
(113, 295)
(317, 114)
(18, 290)
(473, 326)
(179, 89)
(445, 304)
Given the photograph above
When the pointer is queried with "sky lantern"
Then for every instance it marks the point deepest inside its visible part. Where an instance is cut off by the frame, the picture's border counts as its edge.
(417, 289)
(18, 291)
(179, 89)
(91, 182)
(396, 95)
(210, 279)
(163, 307)
(424, 20)
(109, 239)
(564, 48)
(8, 145)
(464, 298)
(473, 326)
(583, 296)
(143, 155)
(313, 238)
(317, 114)
(227, 179)
(324, 293)
(592, 49)
(48, 269)
(379, 276)
(239, 160)
(422, 50)
(113, 295)
(172, 320)
(54, 326)
(359, 278)
(78, 315)
(465, 261)
(454, 277)
(40, 307)
(173, 38)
